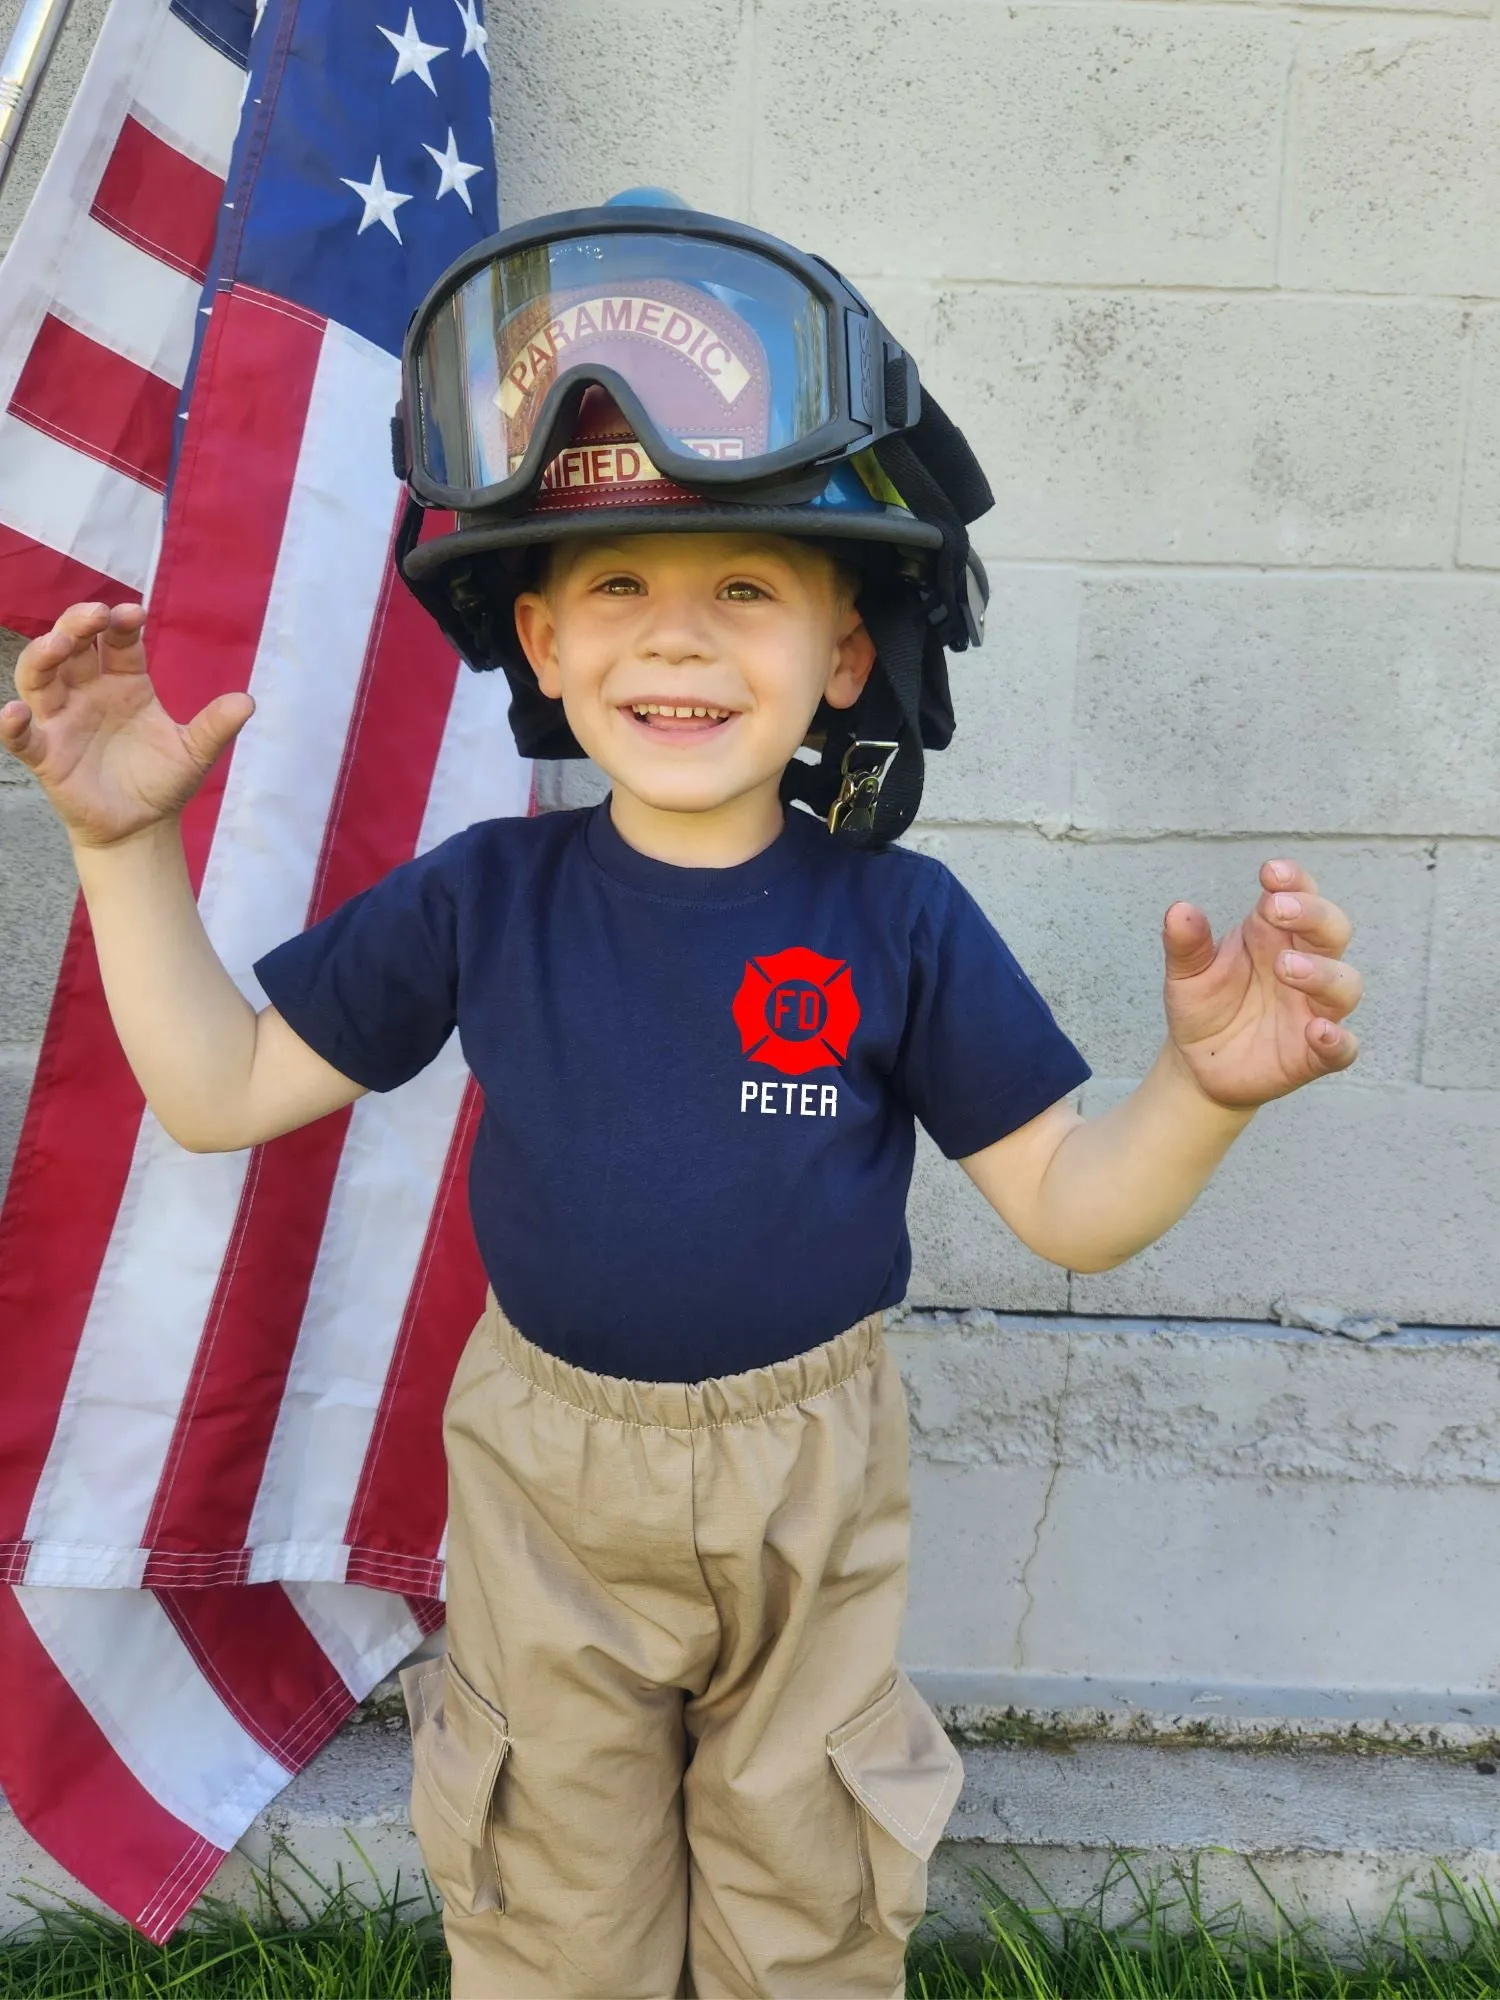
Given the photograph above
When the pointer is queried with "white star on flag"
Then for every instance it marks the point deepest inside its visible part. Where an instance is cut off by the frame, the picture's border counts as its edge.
(380, 201)
(413, 55)
(475, 33)
(456, 174)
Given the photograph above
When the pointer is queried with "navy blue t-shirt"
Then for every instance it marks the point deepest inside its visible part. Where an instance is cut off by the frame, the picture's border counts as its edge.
(699, 1083)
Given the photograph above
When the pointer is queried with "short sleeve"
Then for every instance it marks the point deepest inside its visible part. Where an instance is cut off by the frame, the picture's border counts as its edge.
(982, 1054)
(374, 987)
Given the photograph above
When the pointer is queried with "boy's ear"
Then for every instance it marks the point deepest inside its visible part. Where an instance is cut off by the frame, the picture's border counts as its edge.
(854, 656)
(536, 628)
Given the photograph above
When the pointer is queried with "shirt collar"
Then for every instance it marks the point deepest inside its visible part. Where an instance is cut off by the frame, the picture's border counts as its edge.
(615, 857)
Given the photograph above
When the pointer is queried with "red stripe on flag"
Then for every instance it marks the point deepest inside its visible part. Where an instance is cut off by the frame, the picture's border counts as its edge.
(417, 1578)
(429, 1613)
(258, 1655)
(233, 483)
(228, 1416)
(72, 1793)
(87, 396)
(37, 584)
(400, 1506)
(76, 1144)
(160, 200)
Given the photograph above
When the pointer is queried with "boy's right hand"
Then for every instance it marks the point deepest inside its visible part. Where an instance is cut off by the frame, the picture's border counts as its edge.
(88, 723)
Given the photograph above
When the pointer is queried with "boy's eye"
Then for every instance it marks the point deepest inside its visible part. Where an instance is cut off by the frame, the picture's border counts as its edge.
(620, 586)
(742, 591)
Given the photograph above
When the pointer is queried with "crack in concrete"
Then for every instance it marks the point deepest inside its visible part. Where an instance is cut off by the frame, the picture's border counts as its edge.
(1018, 1646)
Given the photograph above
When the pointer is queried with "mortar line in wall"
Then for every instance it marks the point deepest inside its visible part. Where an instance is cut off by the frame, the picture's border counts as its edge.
(1173, 288)
(1073, 696)
(1284, 164)
(1127, 566)
(1124, 836)
(1435, 848)
(1465, 407)
(1349, 1080)
(750, 45)
(1451, 1089)
(1414, 1336)
(1298, 9)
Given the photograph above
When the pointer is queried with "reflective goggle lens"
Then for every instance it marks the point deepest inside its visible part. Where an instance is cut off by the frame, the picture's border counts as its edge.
(726, 350)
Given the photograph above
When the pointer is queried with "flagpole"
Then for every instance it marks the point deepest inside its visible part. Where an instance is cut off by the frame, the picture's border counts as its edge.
(25, 59)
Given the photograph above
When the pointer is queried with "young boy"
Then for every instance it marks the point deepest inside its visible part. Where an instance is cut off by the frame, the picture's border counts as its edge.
(670, 1748)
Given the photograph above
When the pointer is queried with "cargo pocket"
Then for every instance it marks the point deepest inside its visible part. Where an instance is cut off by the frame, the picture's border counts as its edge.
(905, 1776)
(458, 1745)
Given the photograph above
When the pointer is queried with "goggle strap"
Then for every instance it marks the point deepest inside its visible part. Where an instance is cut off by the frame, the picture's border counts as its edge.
(928, 500)
(895, 391)
(942, 447)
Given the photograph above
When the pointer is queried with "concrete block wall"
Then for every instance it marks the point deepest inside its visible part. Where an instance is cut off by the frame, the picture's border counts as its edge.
(1215, 291)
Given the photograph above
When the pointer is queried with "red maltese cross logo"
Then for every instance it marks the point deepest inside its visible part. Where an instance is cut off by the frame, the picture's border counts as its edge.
(796, 1010)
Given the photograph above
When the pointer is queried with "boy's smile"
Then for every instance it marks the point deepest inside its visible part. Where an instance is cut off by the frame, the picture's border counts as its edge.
(671, 719)
(690, 666)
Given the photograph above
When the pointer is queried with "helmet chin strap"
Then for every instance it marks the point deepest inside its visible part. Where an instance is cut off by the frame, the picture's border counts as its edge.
(867, 783)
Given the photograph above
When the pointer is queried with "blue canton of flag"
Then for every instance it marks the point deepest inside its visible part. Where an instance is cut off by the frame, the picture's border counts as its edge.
(377, 167)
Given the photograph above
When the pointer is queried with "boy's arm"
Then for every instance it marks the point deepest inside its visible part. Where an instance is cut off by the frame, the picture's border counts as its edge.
(217, 1075)
(118, 772)
(1249, 1019)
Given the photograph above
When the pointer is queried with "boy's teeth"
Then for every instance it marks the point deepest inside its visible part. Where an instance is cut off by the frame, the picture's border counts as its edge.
(679, 714)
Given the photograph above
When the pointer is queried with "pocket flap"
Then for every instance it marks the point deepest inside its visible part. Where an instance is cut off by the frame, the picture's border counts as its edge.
(458, 1742)
(900, 1766)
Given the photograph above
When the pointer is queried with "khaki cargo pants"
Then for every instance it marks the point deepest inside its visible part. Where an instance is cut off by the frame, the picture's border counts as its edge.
(669, 1751)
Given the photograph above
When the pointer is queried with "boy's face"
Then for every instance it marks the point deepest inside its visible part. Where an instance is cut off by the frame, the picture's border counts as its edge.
(690, 665)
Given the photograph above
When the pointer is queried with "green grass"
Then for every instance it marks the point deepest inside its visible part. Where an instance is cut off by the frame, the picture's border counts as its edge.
(302, 1941)
(1441, 1943)
(331, 1948)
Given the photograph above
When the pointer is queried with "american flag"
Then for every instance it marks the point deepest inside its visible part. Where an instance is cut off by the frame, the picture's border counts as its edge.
(221, 1482)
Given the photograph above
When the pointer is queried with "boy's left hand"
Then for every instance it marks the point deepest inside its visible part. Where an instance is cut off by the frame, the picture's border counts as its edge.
(1259, 1014)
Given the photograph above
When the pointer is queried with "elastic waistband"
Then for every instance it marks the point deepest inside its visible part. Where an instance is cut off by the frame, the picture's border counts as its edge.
(723, 1399)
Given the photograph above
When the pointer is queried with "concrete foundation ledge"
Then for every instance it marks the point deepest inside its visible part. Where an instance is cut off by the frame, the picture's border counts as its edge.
(1283, 1836)
(1340, 1841)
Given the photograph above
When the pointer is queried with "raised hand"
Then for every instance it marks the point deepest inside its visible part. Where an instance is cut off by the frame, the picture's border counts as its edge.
(1260, 1013)
(89, 725)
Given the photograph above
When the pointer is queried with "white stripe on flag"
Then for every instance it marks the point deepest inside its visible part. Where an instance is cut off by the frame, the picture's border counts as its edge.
(366, 1634)
(146, 1318)
(128, 301)
(379, 1210)
(123, 1658)
(190, 95)
(134, 1359)
(71, 502)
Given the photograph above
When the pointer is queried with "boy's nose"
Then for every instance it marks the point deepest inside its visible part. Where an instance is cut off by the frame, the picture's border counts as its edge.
(677, 631)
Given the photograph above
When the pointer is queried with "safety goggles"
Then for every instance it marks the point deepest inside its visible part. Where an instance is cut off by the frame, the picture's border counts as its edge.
(743, 369)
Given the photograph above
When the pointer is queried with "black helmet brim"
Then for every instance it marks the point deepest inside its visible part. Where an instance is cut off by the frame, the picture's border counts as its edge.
(893, 530)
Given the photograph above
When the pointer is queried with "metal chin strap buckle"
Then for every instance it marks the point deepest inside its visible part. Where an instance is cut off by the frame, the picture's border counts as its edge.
(859, 791)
